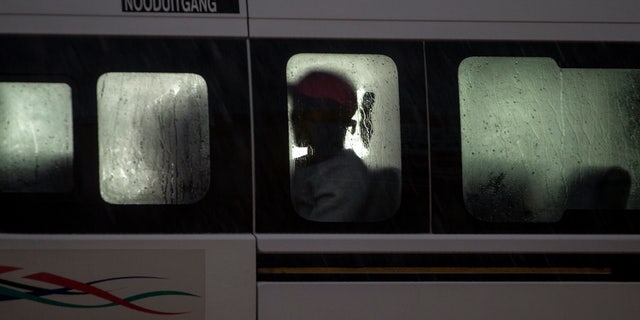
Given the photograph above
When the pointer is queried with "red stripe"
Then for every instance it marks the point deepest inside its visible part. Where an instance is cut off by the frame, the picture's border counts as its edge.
(72, 284)
(4, 269)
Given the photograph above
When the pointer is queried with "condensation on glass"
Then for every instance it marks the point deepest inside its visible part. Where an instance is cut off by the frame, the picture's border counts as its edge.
(36, 137)
(538, 139)
(361, 182)
(153, 131)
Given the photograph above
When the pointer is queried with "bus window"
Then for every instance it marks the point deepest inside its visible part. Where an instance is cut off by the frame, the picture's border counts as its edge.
(340, 130)
(36, 137)
(538, 139)
(153, 132)
(344, 137)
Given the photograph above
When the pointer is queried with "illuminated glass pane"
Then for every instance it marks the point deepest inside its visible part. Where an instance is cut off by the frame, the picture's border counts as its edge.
(344, 173)
(538, 140)
(153, 131)
(36, 137)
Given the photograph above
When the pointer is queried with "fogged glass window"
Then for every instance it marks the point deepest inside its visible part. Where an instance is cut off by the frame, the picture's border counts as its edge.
(153, 131)
(344, 134)
(538, 139)
(36, 137)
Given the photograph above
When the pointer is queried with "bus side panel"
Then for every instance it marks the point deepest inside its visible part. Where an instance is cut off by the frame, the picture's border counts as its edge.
(128, 277)
(453, 10)
(125, 17)
(448, 300)
(459, 19)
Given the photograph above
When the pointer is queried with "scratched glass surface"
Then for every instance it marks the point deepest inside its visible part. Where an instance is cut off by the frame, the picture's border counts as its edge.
(36, 137)
(538, 139)
(153, 131)
(375, 137)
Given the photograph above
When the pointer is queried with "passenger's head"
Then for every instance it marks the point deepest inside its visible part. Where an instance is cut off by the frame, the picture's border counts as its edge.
(323, 104)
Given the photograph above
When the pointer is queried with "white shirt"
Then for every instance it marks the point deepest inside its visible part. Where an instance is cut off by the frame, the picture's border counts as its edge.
(341, 189)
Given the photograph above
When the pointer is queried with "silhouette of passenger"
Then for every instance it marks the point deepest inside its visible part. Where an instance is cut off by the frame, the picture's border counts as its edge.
(613, 189)
(604, 188)
(330, 183)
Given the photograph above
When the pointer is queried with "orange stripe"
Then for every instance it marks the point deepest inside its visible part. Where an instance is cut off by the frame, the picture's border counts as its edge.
(436, 270)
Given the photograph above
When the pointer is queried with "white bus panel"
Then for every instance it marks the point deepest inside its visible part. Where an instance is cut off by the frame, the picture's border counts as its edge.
(124, 277)
(448, 300)
(460, 19)
(124, 17)
(448, 243)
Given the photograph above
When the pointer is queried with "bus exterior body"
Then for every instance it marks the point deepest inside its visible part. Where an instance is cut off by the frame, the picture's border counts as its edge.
(198, 222)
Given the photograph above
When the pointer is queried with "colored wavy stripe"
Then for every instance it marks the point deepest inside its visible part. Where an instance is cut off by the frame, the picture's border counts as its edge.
(40, 292)
(7, 293)
(35, 290)
(26, 296)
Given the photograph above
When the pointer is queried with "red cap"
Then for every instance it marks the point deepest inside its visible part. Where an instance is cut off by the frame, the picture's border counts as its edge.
(323, 85)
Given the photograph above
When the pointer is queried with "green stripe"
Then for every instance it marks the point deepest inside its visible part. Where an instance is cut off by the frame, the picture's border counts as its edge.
(26, 296)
